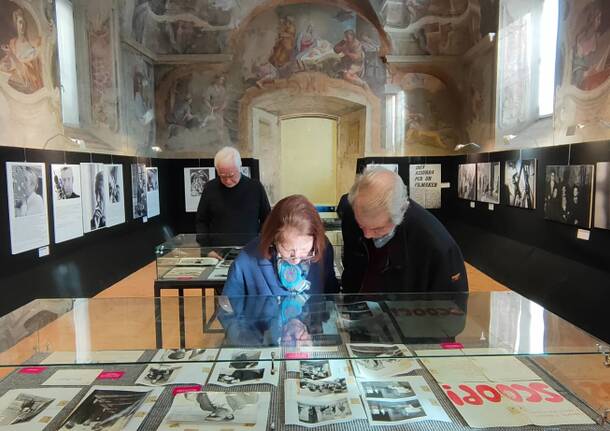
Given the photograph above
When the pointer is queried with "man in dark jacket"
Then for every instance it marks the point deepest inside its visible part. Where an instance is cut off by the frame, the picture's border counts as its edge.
(392, 244)
(231, 203)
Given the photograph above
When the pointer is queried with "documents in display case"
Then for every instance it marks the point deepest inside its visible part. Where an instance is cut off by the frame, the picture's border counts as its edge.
(481, 360)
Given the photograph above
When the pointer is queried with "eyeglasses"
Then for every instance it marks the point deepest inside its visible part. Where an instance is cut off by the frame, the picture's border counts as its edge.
(292, 256)
(228, 176)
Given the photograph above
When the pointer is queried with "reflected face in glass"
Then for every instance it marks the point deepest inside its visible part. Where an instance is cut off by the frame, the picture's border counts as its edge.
(228, 174)
(373, 225)
(295, 247)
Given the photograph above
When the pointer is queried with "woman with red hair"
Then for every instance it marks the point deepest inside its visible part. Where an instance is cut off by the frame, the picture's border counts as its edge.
(291, 255)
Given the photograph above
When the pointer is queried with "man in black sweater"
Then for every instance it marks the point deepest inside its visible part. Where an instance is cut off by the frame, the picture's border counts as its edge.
(231, 203)
(392, 244)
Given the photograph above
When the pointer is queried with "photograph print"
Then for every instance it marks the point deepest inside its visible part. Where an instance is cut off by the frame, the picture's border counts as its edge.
(315, 370)
(28, 190)
(27, 205)
(568, 192)
(313, 414)
(33, 409)
(467, 180)
(139, 190)
(106, 409)
(66, 181)
(602, 195)
(115, 210)
(322, 387)
(218, 410)
(195, 180)
(23, 409)
(94, 196)
(488, 182)
(387, 389)
(158, 375)
(520, 183)
(387, 412)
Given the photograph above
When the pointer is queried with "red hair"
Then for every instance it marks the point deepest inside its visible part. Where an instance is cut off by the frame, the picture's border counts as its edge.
(293, 213)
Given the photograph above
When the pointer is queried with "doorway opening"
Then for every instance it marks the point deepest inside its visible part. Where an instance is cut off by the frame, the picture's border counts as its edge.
(309, 158)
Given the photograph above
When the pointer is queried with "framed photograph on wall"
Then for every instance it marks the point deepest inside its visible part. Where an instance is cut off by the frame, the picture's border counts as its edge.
(27, 205)
(139, 192)
(568, 194)
(602, 196)
(195, 180)
(520, 183)
(488, 182)
(67, 204)
(467, 181)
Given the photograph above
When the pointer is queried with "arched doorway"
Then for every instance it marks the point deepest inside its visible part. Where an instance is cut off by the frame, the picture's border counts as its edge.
(355, 110)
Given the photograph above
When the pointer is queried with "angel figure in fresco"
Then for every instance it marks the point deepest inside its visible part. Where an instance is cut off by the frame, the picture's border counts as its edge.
(591, 62)
(351, 66)
(21, 58)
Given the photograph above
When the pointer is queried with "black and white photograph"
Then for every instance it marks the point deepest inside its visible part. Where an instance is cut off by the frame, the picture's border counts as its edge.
(381, 361)
(244, 360)
(388, 389)
(139, 190)
(467, 181)
(24, 409)
(488, 182)
(195, 180)
(356, 315)
(180, 355)
(242, 376)
(315, 403)
(27, 197)
(425, 185)
(158, 375)
(67, 202)
(602, 196)
(94, 186)
(377, 329)
(115, 208)
(359, 307)
(401, 399)
(568, 192)
(237, 367)
(315, 370)
(66, 181)
(152, 194)
(212, 411)
(520, 183)
(245, 171)
(111, 408)
(314, 388)
(334, 411)
(385, 412)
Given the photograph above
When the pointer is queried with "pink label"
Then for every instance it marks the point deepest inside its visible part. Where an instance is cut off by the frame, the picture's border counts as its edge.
(296, 355)
(111, 375)
(185, 389)
(449, 346)
(32, 370)
(184, 277)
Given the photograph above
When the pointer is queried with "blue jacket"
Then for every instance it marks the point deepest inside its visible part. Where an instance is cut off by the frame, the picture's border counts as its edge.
(252, 274)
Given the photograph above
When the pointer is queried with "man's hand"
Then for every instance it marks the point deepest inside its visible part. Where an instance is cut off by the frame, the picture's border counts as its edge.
(214, 255)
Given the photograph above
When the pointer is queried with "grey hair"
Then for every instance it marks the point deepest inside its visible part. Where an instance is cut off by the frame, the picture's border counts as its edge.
(380, 194)
(229, 155)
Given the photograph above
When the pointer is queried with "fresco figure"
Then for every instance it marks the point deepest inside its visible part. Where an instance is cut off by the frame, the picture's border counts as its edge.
(351, 66)
(265, 73)
(181, 115)
(591, 62)
(283, 50)
(215, 100)
(142, 101)
(21, 58)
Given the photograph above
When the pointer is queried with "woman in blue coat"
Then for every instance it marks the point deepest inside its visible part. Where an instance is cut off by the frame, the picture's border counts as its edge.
(292, 255)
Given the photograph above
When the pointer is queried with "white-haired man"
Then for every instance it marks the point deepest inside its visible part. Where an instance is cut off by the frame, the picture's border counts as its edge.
(231, 203)
(392, 244)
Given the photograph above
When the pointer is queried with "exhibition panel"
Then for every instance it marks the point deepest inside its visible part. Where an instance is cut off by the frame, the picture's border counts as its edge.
(451, 360)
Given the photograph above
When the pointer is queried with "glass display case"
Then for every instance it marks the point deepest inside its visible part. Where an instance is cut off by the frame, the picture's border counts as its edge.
(407, 361)
(203, 261)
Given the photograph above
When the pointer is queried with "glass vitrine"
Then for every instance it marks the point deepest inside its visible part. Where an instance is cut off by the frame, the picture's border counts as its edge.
(449, 361)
